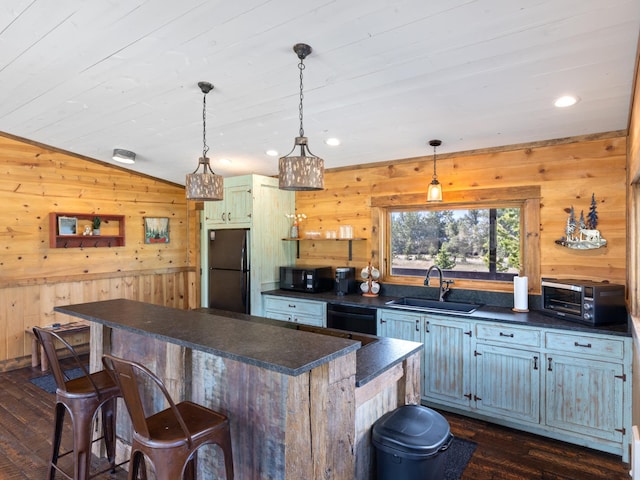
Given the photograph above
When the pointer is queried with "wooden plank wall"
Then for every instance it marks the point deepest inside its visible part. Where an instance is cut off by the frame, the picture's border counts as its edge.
(37, 180)
(566, 171)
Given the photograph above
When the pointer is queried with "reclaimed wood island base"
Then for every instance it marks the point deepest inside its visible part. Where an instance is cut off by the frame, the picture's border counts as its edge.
(301, 403)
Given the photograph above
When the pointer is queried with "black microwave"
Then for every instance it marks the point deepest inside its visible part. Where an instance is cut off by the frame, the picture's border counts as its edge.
(583, 301)
(306, 279)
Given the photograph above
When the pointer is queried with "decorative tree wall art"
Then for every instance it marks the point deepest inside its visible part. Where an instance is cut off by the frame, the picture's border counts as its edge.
(156, 230)
(583, 234)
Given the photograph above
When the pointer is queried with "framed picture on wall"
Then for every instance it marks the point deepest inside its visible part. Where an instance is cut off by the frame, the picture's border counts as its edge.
(156, 230)
(67, 226)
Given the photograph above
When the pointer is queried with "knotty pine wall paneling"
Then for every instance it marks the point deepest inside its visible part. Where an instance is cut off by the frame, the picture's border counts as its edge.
(34, 278)
(566, 171)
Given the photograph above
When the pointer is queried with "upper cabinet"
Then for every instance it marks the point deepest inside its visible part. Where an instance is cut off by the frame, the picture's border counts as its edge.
(75, 230)
(235, 209)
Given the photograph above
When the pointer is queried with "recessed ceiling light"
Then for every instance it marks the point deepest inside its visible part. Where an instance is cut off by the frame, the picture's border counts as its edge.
(334, 142)
(124, 156)
(566, 101)
(226, 161)
(272, 153)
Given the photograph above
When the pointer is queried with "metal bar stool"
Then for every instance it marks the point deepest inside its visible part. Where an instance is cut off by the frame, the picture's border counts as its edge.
(82, 398)
(169, 438)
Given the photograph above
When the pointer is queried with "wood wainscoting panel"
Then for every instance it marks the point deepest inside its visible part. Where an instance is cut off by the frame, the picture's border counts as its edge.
(31, 305)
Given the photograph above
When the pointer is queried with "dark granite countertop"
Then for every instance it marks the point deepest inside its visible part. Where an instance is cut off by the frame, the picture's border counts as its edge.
(375, 356)
(272, 344)
(532, 318)
(291, 352)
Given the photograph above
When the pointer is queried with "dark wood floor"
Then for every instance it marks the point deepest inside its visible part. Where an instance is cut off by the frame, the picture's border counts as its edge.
(26, 416)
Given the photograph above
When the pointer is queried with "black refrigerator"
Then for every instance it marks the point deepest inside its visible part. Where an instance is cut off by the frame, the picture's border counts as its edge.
(229, 270)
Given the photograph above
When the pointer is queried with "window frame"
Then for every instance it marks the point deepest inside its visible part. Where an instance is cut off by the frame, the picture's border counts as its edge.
(527, 198)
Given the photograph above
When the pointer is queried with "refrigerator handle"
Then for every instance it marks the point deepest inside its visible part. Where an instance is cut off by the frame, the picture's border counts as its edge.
(244, 290)
(243, 255)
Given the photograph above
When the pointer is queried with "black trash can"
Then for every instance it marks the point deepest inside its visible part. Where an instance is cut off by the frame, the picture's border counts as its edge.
(409, 442)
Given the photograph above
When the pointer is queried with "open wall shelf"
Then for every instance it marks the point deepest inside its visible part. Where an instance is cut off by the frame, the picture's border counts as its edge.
(298, 240)
(73, 225)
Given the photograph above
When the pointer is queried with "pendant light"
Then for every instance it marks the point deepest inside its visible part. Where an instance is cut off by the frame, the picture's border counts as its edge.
(207, 185)
(304, 171)
(434, 194)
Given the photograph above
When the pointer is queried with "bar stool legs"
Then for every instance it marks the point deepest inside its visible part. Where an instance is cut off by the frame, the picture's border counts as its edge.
(80, 398)
(168, 438)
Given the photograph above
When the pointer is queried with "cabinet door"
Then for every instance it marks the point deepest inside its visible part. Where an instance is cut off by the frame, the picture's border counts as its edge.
(584, 396)
(234, 209)
(447, 357)
(507, 382)
(401, 325)
(215, 213)
(307, 312)
(239, 204)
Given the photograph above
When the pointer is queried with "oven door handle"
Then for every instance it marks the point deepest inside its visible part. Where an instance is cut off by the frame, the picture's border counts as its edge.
(355, 316)
(562, 286)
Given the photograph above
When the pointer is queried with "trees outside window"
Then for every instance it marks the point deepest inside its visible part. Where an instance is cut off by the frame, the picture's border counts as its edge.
(481, 243)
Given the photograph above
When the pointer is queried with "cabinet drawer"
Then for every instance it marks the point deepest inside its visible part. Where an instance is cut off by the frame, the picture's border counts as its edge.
(507, 334)
(585, 344)
(292, 305)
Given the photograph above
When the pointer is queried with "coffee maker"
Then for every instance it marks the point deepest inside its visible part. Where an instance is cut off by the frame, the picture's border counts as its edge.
(345, 280)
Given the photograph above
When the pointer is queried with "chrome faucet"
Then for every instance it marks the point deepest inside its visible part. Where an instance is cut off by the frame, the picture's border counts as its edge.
(444, 284)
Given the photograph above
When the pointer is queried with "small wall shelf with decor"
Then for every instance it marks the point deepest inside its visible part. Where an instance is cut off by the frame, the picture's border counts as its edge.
(76, 230)
(311, 239)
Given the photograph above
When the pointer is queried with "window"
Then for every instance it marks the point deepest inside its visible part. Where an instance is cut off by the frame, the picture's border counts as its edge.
(500, 205)
(474, 243)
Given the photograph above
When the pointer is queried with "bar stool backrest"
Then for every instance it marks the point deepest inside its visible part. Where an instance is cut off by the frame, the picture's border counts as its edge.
(129, 376)
(48, 338)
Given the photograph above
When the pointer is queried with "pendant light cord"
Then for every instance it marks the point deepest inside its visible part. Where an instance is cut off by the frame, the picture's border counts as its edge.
(205, 147)
(301, 67)
(434, 163)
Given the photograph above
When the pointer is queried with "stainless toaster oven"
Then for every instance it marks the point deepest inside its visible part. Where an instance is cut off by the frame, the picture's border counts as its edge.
(584, 301)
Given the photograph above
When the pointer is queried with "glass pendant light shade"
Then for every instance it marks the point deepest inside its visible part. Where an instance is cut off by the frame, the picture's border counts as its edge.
(304, 171)
(434, 193)
(205, 186)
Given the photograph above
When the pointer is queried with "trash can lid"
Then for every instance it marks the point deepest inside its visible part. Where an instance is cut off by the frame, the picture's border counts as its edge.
(411, 429)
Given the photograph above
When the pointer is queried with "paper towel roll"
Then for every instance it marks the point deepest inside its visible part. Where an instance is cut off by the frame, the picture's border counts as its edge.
(520, 294)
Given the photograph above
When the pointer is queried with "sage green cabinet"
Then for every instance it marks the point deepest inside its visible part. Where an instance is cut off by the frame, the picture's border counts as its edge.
(235, 210)
(507, 371)
(569, 385)
(401, 325)
(306, 312)
(447, 361)
(586, 378)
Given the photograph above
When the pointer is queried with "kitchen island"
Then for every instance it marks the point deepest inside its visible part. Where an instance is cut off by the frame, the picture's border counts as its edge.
(297, 406)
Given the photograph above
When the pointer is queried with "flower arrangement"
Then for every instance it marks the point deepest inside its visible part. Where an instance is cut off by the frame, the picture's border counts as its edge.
(296, 219)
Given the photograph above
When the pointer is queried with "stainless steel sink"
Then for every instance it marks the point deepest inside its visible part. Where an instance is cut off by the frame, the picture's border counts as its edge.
(422, 305)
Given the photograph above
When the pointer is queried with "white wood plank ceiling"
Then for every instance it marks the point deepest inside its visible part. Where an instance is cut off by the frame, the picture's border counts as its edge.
(385, 76)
